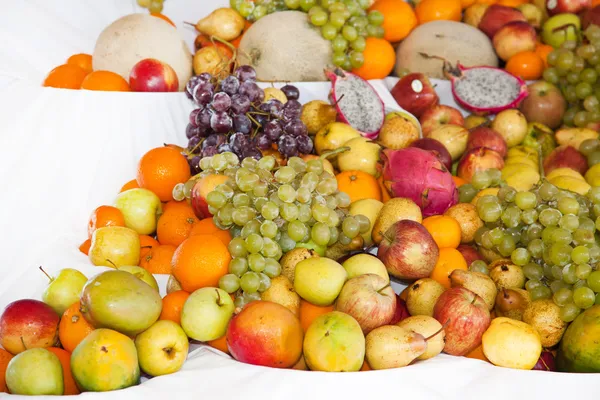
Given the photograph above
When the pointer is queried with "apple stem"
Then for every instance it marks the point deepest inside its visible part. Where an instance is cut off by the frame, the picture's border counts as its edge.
(435, 334)
(385, 236)
(45, 273)
(23, 342)
(338, 101)
(383, 288)
(190, 24)
(112, 263)
(219, 302)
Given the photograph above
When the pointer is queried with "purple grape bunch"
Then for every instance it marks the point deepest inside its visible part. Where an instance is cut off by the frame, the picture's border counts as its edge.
(231, 115)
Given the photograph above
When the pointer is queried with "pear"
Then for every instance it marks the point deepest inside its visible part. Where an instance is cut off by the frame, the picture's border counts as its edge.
(507, 275)
(317, 114)
(391, 346)
(291, 258)
(141, 274)
(426, 326)
(224, 23)
(422, 296)
(64, 289)
(476, 282)
(362, 155)
(282, 292)
(333, 136)
(544, 316)
(274, 93)
(173, 285)
(511, 303)
(339, 250)
(398, 131)
(393, 211)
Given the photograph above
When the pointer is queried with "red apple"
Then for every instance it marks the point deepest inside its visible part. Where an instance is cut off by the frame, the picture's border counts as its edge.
(514, 37)
(401, 311)
(415, 94)
(565, 157)
(469, 253)
(151, 75)
(437, 148)
(496, 16)
(567, 6)
(26, 324)
(591, 16)
(465, 317)
(544, 104)
(439, 115)
(477, 160)
(483, 136)
(369, 299)
(408, 250)
(201, 189)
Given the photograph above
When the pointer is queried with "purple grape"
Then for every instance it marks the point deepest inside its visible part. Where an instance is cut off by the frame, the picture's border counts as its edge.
(193, 116)
(275, 107)
(214, 140)
(253, 91)
(204, 131)
(252, 152)
(223, 148)
(261, 119)
(291, 92)
(194, 142)
(230, 85)
(203, 93)
(194, 163)
(191, 85)
(221, 122)
(305, 144)
(293, 104)
(240, 104)
(287, 145)
(191, 131)
(273, 130)
(296, 128)
(241, 123)
(221, 102)
(203, 118)
(209, 151)
(245, 73)
(263, 142)
(237, 142)
(292, 110)
(205, 77)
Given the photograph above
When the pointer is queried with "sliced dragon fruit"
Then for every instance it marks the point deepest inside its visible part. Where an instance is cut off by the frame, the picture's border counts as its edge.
(356, 102)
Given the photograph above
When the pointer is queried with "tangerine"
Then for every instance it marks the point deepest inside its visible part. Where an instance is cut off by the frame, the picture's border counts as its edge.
(105, 216)
(65, 360)
(543, 50)
(66, 76)
(458, 181)
(132, 184)
(365, 366)
(163, 17)
(512, 3)
(5, 358)
(466, 3)
(105, 81)
(438, 10)
(380, 58)
(146, 244)
(527, 65)
(172, 304)
(160, 169)
(219, 344)
(73, 328)
(309, 312)
(477, 354)
(448, 260)
(85, 246)
(207, 227)
(399, 18)
(82, 60)
(176, 223)
(385, 193)
(444, 229)
(158, 259)
(358, 185)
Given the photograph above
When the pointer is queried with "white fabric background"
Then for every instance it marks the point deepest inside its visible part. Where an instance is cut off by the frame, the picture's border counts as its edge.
(63, 153)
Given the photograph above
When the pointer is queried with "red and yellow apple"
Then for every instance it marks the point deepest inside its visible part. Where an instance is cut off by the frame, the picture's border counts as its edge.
(439, 115)
(496, 16)
(514, 37)
(478, 160)
(565, 157)
(152, 75)
(201, 189)
(415, 93)
(483, 136)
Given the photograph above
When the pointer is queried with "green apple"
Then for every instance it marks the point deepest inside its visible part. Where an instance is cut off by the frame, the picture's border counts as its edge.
(320, 250)
(162, 349)
(206, 313)
(64, 289)
(370, 208)
(140, 273)
(319, 280)
(363, 263)
(141, 209)
(35, 372)
(113, 246)
(572, 25)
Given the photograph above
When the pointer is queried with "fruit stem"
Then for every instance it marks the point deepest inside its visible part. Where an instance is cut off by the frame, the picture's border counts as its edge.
(436, 333)
(219, 302)
(448, 69)
(383, 288)
(190, 24)
(226, 43)
(23, 342)
(112, 263)
(338, 101)
(45, 273)
(337, 151)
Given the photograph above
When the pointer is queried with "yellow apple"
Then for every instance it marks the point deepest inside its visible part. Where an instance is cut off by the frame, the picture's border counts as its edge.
(369, 208)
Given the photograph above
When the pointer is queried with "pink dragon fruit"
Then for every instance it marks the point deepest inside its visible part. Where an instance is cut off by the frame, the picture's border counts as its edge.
(357, 102)
(420, 176)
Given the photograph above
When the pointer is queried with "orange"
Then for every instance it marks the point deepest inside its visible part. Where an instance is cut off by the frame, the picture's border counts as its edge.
(399, 19)
(65, 360)
(105, 216)
(172, 304)
(66, 76)
(512, 3)
(490, 2)
(207, 227)
(132, 184)
(85, 246)
(543, 50)
(200, 261)
(105, 81)
(477, 354)
(219, 344)
(458, 181)
(527, 65)
(158, 259)
(466, 3)
(444, 229)
(82, 60)
(595, 3)
(436, 10)
(404, 294)
(365, 366)
(309, 312)
(163, 17)
(73, 328)
(358, 185)
(449, 260)
(175, 224)
(385, 193)
(380, 59)
(5, 358)
(160, 169)
(146, 244)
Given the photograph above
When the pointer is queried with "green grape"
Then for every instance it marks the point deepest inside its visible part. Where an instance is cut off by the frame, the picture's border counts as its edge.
(496, 235)
(306, 5)
(549, 217)
(343, 199)
(320, 234)
(568, 205)
(551, 75)
(256, 262)
(240, 302)
(259, 12)
(320, 212)
(594, 195)
(481, 180)
(560, 235)
(506, 193)
(319, 18)
(581, 236)
(486, 240)
(349, 33)
(327, 186)
(267, 163)
(533, 271)
(562, 297)
(583, 271)
(337, 19)
(238, 266)
(553, 57)
(304, 213)
(265, 283)
(583, 89)
(328, 31)
(155, 6)
(286, 243)
(568, 274)
(578, 64)
(560, 254)
(226, 190)
(250, 282)
(580, 255)
(466, 193)
(270, 210)
(331, 202)
(569, 312)
(339, 44)
(249, 228)
(268, 229)
(520, 256)
(565, 61)
(584, 297)
(237, 247)
(535, 248)
(479, 235)
(297, 230)
(528, 217)
(591, 104)
(479, 266)
(587, 224)
(540, 292)
(254, 243)
(326, 3)
(507, 246)
(229, 283)
(364, 224)
(359, 44)
(350, 227)
(337, 6)
(286, 193)
(511, 216)
(573, 77)
(364, 4)
(526, 200)
(589, 146)
(177, 193)
(569, 222)
(375, 18)
(532, 284)
(594, 253)
(581, 119)
(547, 234)
(272, 268)
(489, 211)
(357, 59)
(593, 281)
(292, 4)
(289, 212)
(216, 199)
(285, 174)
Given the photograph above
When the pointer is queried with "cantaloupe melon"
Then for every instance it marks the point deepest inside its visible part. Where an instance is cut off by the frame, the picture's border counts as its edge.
(454, 41)
(284, 46)
(135, 37)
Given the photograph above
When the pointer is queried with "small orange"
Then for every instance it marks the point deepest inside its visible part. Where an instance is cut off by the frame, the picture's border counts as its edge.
(512, 3)
(66, 76)
(65, 360)
(365, 366)
(449, 260)
(466, 3)
(85, 246)
(444, 229)
(436, 10)
(458, 181)
(399, 18)
(207, 227)
(200, 261)
(309, 312)
(477, 354)
(219, 344)
(82, 60)
(163, 17)
(385, 193)
(490, 2)
(105, 216)
(172, 304)
(146, 244)
(5, 358)
(132, 184)
(176, 223)
(158, 259)
(595, 3)
(404, 293)
(160, 169)
(105, 81)
(543, 50)
(380, 59)
(73, 328)
(527, 65)
(358, 185)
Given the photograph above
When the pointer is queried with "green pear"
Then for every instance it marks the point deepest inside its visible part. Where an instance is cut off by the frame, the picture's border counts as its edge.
(319, 280)
(141, 274)
(141, 209)
(35, 372)
(64, 289)
(391, 346)
(113, 246)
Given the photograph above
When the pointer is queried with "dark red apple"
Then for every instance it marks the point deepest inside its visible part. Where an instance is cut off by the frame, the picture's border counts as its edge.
(565, 157)
(469, 253)
(152, 75)
(437, 148)
(591, 16)
(439, 115)
(496, 16)
(477, 160)
(465, 317)
(26, 324)
(513, 38)
(401, 311)
(483, 136)
(415, 93)
(408, 250)
(546, 362)
(567, 6)
(201, 189)
(544, 104)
